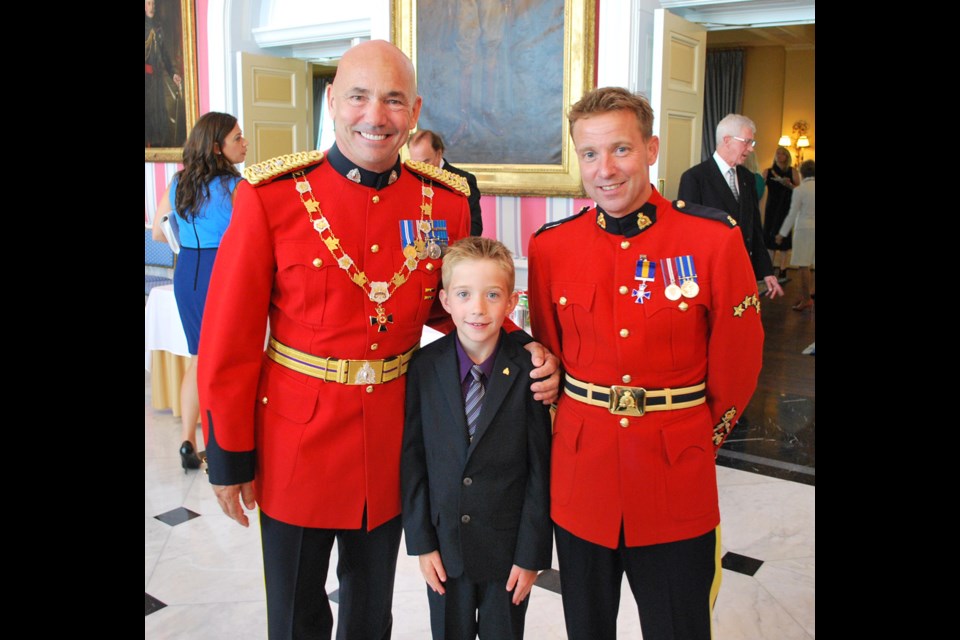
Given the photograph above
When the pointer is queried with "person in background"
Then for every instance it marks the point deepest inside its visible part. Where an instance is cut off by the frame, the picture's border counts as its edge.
(722, 183)
(342, 252)
(751, 164)
(654, 310)
(479, 519)
(781, 179)
(201, 195)
(801, 220)
(427, 146)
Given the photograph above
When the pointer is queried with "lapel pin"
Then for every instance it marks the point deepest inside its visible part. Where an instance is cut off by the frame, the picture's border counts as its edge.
(506, 371)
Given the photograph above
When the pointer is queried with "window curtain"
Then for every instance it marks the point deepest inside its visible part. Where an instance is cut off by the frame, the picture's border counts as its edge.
(723, 93)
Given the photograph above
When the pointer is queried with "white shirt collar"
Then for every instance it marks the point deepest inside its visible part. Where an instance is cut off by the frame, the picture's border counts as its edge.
(721, 164)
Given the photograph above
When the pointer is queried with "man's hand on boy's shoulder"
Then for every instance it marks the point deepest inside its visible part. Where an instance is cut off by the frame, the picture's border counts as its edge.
(546, 372)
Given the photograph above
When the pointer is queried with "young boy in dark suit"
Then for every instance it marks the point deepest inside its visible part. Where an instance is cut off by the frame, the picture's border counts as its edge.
(475, 468)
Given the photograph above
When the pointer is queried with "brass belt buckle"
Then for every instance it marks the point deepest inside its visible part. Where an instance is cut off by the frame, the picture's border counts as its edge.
(627, 400)
(364, 372)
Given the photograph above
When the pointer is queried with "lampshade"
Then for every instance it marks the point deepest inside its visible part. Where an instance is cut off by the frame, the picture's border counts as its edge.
(802, 142)
(784, 141)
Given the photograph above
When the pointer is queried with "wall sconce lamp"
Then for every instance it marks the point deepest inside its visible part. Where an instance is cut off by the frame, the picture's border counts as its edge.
(798, 140)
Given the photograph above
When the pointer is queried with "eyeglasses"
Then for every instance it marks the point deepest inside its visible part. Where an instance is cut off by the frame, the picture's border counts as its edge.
(751, 143)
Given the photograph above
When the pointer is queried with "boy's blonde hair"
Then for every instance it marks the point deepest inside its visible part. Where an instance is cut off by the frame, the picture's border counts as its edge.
(477, 248)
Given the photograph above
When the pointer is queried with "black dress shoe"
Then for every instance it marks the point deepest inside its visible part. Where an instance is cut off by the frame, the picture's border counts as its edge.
(188, 457)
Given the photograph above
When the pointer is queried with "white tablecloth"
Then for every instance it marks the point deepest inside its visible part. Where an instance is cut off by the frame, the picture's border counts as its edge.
(162, 328)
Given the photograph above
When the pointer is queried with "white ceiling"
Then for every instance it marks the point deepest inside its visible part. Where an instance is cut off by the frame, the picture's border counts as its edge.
(717, 15)
(751, 23)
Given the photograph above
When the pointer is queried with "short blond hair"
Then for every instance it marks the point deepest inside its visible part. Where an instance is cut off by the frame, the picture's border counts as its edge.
(607, 99)
(478, 248)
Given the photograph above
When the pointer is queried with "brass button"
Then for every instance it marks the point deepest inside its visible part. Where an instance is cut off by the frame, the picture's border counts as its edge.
(683, 306)
(374, 346)
(625, 244)
(562, 300)
(624, 333)
(375, 199)
(681, 204)
(429, 266)
(465, 519)
(264, 400)
(626, 379)
(317, 262)
(467, 481)
(369, 388)
(375, 248)
(624, 423)
(623, 290)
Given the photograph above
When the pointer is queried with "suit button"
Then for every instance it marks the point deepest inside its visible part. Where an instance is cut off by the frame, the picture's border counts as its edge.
(375, 248)
(623, 290)
(683, 306)
(264, 401)
(429, 266)
(375, 199)
(625, 244)
(317, 262)
(624, 423)
(369, 388)
(467, 481)
(562, 300)
(465, 519)
(626, 379)
(624, 333)
(374, 346)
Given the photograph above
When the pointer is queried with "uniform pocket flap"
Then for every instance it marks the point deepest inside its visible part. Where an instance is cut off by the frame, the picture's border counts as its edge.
(581, 294)
(684, 434)
(290, 399)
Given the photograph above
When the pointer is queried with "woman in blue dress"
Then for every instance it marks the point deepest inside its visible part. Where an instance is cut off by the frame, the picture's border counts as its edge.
(201, 194)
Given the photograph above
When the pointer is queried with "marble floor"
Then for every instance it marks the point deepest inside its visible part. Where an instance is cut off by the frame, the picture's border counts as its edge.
(203, 576)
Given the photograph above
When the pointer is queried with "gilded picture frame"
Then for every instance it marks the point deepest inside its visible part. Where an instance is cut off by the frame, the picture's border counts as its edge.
(497, 83)
(170, 108)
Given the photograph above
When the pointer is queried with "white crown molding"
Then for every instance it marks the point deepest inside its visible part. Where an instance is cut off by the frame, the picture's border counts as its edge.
(315, 41)
(716, 15)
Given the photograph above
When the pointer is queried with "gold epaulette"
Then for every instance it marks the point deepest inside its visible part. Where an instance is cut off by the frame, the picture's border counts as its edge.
(452, 180)
(264, 172)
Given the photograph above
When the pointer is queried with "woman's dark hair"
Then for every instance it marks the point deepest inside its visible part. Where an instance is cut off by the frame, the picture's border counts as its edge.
(201, 163)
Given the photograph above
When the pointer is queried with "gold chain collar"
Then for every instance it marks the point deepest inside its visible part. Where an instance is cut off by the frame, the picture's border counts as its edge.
(378, 292)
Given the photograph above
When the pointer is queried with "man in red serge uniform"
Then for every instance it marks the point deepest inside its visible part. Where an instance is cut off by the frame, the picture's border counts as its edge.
(657, 322)
(343, 254)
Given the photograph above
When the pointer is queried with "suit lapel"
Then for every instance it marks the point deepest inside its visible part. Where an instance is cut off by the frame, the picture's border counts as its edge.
(506, 373)
(723, 187)
(448, 374)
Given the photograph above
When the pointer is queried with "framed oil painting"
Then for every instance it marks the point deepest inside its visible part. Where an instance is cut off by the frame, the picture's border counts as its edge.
(497, 78)
(170, 78)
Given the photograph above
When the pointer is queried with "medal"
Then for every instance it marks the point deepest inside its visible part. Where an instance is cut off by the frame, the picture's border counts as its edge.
(646, 272)
(688, 276)
(379, 291)
(433, 250)
(672, 290)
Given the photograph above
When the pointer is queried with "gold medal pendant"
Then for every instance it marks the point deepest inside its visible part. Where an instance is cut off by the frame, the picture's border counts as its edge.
(382, 318)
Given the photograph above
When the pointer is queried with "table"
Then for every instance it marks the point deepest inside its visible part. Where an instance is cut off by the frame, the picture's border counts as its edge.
(166, 356)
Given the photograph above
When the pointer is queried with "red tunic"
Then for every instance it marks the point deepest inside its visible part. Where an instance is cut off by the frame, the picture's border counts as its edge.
(322, 449)
(657, 475)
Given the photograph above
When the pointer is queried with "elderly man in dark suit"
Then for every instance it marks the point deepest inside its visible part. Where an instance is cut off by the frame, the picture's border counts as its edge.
(720, 182)
(427, 146)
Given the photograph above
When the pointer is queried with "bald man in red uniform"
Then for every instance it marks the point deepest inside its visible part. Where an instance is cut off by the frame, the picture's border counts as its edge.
(343, 253)
(654, 310)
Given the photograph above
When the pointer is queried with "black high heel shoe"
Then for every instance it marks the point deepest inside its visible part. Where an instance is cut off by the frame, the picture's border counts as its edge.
(188, 457)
